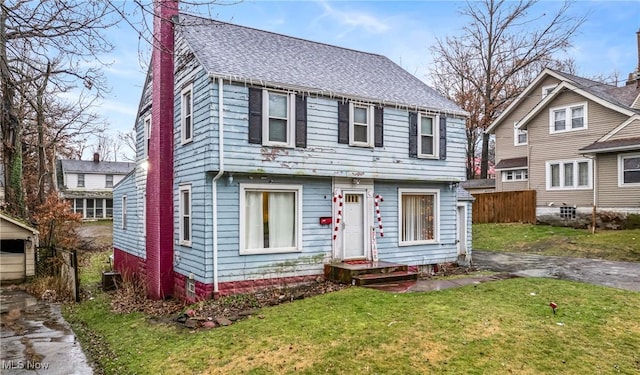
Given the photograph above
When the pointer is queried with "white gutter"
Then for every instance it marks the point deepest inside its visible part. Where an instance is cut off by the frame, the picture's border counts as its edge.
(214, 185)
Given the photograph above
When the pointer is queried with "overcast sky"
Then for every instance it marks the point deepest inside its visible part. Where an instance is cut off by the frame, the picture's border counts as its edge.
(401, 30)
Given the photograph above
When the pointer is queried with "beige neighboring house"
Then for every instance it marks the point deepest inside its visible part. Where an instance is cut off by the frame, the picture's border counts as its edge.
(88, 185)
(576, 142)
(18, 241)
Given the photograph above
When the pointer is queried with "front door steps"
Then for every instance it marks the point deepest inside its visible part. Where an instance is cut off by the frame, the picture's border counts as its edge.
(367, 272)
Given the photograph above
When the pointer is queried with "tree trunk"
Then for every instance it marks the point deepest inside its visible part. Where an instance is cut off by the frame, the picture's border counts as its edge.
(42, 163)
(484, 163)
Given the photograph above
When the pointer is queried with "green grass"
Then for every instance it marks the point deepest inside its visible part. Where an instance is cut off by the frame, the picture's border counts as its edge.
(495, 327)
(621, 245)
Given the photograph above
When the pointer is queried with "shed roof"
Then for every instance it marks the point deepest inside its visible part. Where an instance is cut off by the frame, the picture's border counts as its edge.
(613, 145)
(265, 58)
(106, 167)
(15, 221)
(512, 163)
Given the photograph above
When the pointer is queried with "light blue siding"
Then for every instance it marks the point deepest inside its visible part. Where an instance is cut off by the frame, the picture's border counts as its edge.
(323, 156)
(128, 239)
(389, 250)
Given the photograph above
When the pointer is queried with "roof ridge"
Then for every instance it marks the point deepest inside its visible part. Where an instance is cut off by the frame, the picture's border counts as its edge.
(280, 35)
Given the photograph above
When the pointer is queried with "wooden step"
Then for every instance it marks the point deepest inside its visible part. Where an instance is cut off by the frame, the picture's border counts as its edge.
(380, 278)
(345, 272)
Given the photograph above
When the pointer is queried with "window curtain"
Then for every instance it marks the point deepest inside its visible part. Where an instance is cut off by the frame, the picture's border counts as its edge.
(417, 218)
(254, 229)
(282, 218)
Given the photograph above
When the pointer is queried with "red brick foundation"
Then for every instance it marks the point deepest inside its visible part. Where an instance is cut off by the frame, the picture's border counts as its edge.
(129, 265)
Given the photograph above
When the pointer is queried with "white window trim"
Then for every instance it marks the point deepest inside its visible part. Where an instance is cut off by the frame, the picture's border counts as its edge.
(621, 183)
(575, 174)
(436, 136)
(182, 189)
(123, 214)
(546, 91)
(291, 119)
(504, 173)
(567, 118)
(516, 133)
(183, 139)
(147, 135)
(436, 230)
(84, 180)
(297, 189)
(370, 125)
(106, 181)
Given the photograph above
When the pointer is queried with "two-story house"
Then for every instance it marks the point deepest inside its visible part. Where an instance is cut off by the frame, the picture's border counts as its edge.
(262, 157)
(576, 142)
(88, 185)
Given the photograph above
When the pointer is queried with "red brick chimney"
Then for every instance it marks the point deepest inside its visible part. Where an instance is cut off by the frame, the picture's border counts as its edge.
(96, 157)
(159, 239)
(634, 77)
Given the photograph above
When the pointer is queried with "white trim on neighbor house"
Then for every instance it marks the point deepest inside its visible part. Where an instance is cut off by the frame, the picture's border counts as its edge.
(369, 124)
(436, 216)
(186, 215)
(575, 175)
(186, 114)
(516, 174)
(435, 136)
(621, 158)
(289, 118)
(618, 128)
(286, 188)
(517, 132)
(568, 111)
(546, 90)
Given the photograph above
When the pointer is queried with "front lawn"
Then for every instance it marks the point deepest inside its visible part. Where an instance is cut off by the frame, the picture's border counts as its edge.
(621, 245)
(496, 327)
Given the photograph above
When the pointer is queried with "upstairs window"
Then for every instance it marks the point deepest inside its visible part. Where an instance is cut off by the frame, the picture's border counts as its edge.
(520, 136)
(279, 119)
(629, 170)
(361, 125)
(80, 179)
(147, 135)
(108, 181)
(569, 175)
(427, 135)
(568, 118)
(186, 118)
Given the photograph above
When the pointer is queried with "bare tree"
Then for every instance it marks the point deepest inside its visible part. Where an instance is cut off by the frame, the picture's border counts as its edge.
(498, 53)
(128, 142)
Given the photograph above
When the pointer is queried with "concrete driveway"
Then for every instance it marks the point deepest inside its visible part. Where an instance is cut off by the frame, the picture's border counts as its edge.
(35, 339)
(621, 275)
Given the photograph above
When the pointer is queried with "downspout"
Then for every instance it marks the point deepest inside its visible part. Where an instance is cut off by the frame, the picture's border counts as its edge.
(214, 186)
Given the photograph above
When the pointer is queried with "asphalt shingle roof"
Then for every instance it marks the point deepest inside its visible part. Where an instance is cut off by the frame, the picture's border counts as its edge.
(260, 57)
(620, 96)
(512, 163)
(106, 167)
(632, 143)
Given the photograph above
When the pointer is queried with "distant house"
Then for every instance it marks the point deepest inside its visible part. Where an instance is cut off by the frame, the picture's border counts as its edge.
(263, 157)
(576, 142)
(88, 185)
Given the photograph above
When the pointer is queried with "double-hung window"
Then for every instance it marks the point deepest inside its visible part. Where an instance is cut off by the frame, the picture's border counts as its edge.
(108, 181)
(270, 218)
(520, 136)
(418, 216)
(124, 212)
(568, 118)
(361, 127)
(147, 135)
(569, 174)
(80, 180)
(427, 135)
(278, 121)
(186, 117)
(629, 170)
(185, 215)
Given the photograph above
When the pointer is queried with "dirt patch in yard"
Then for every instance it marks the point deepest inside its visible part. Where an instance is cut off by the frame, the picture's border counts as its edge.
(95, 236)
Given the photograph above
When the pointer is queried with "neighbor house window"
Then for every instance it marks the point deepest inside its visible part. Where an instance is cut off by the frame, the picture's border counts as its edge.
(124, 212)
(278, 125)
(91, 214)
(270, 218)
(520, 136)
(79, 206)
(108, 181)
(418, 216)
(109, 209)
(187, 114)
(361, 125)
(185, 215)
(570, 174)
(80, 179)
(568, 118)
(629, 170)
(427, 135)
(147, 135)
(515, 175)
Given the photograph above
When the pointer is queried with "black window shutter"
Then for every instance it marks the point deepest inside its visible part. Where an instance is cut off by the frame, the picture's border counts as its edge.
(343, 122)
(378, 127)
(413, 135)
(255, 115)
(301, 121)
(443, 138)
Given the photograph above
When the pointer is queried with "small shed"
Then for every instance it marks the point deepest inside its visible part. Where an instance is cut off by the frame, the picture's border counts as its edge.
(18, 242)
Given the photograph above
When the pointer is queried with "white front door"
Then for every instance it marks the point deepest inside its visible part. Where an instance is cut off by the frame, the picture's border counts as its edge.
(462, 230)
(354, 234)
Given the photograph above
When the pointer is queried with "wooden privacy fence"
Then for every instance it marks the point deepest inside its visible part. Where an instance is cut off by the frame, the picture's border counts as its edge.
(505, 207)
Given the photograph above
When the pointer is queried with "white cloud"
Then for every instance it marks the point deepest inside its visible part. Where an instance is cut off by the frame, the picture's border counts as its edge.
(354, 19)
